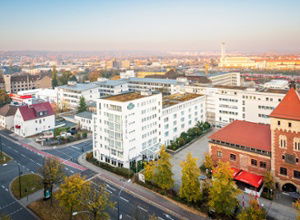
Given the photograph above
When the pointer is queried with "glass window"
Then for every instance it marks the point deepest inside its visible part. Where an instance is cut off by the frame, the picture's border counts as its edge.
(296, 174)
(232, 157)
(283, 171)
(219, 153)
(253, 162)
(262, 164)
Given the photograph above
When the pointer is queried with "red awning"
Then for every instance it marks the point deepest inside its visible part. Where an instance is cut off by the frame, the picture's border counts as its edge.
(249, 178)
(235, 171)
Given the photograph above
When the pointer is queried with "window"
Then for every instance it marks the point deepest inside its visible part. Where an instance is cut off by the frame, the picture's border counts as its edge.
(283, 171)
(263, 164)
(232, 157)
(297, 144)
(296, 174)
(219, 153)
(166, 134)
(283, 157)
(290, 124)
(253, 162)
(278, 122)
(282, 141)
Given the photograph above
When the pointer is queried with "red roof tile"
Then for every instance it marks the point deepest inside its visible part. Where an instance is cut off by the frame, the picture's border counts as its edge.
(29, 112)
(289, 107)
(246, 134)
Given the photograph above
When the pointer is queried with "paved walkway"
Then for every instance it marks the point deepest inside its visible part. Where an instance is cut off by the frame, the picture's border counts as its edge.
(165, 204)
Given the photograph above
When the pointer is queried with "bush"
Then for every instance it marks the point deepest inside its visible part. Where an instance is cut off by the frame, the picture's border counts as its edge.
(77, 136)
(84, 135)
(117, 170)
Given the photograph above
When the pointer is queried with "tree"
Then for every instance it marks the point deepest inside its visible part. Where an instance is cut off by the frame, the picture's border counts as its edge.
(96, 201)
(252, 212)
(208, 164)
(71, 192)
(297, 206)
(73, 78)
(269, 182)
(54, 77)
(82, 105)
(163, 176)
(4, 98)
(160, 172)
(94, 75)
(223, 191)
(64, 78)
(190, 185)
(53, 173)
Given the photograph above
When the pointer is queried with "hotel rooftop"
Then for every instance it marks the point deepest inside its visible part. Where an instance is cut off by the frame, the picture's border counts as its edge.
(178, 98)
(125, 97)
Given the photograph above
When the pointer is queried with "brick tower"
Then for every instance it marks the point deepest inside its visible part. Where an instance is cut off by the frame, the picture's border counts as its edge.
(285, 133)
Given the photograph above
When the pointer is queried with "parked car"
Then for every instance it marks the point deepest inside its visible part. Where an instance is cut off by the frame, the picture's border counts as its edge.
(65, 134)
(72, 131)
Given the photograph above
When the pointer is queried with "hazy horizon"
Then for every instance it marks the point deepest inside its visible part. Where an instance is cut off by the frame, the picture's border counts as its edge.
(246, 26)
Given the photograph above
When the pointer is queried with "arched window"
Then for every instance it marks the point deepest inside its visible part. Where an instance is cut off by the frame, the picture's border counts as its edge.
(297, 144)
(282, 141)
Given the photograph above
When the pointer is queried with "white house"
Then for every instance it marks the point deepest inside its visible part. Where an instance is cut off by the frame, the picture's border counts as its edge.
(7, 114)
(84, 119)
(33, 119)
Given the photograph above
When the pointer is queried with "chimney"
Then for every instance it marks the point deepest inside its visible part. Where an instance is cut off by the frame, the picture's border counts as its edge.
(292, 84)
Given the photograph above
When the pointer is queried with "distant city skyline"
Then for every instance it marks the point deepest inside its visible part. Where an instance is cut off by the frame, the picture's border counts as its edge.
(254, 26)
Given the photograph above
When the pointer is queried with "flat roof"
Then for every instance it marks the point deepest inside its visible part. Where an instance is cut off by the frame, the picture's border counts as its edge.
(212, 74)
(125, 97)
(87, 115)
(230, 87)
(111, 82)
(79, 86)
(178, 98)
(153, 80)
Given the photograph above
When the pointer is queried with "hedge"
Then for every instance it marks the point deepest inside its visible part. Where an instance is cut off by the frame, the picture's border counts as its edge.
(117, 170)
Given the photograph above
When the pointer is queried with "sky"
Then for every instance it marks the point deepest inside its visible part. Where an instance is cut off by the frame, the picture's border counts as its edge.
(60, 25)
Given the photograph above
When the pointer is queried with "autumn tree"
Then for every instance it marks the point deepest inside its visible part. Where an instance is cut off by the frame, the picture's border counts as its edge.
(4, 98)
(297, 206)
(54, 77)
(252, 212)
(65, 77)
(269, 183)
(96, 201)
(52, 173)
(82, 105)
(190, 185)
(94, 75)
(223, 191)
(160, 172)
(71, 193)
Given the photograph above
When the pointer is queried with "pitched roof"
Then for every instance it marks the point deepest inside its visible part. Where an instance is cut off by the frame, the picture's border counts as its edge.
(289, 107)
(8, 110)
(30, 112)
(246, 134)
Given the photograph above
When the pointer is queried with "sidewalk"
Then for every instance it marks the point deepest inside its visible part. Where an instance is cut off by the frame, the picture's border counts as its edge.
(155, 199)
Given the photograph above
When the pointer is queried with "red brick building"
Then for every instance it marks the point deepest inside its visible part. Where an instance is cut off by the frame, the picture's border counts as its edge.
(255, 148)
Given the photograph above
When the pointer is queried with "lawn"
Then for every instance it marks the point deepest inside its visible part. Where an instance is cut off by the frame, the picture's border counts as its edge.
(30, 183)
(4, 158)
(45, 211)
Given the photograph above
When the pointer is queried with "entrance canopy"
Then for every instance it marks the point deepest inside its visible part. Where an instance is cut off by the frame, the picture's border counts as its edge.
(249, 178)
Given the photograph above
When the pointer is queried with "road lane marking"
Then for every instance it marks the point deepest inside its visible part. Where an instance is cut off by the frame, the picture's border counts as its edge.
(4, 165)
(168, 216)
(109, 191)
(109, 186)
(141, 208)
(71, 171)
(126, 200)
(22, 155)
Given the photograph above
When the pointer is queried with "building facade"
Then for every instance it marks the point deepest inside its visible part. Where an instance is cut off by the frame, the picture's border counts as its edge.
(258, 148)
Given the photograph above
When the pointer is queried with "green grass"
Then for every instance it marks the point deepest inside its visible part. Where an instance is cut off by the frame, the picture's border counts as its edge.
(29, 182)
(4, 158)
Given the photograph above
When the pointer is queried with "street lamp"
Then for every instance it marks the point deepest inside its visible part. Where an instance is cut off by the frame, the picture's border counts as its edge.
(119, 194)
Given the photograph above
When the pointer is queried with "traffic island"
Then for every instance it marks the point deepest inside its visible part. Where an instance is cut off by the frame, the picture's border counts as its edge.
(4, 158)
(44, 210)
(25, 185)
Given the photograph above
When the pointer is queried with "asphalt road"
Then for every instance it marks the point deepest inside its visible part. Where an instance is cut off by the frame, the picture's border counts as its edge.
(29, 162)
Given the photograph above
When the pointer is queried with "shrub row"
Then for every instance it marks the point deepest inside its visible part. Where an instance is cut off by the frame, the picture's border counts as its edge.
(191, 134)
(117, 170)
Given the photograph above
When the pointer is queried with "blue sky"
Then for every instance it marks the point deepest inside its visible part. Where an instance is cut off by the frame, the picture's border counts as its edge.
(246, 25)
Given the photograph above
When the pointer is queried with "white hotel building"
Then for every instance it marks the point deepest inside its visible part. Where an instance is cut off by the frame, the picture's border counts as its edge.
(132, 125)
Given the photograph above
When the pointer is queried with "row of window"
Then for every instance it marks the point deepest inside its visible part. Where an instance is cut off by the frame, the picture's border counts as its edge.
(283, 142)
(283, 171)
(289, 124)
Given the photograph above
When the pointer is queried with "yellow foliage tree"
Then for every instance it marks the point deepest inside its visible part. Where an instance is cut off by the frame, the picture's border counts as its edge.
(223, 192)
(160, 172)
(208, 162)
(252, 212)
(190, 185)
(71, 192)
(297, 206)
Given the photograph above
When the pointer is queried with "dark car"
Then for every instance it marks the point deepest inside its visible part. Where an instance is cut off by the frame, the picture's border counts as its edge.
(73, 131)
